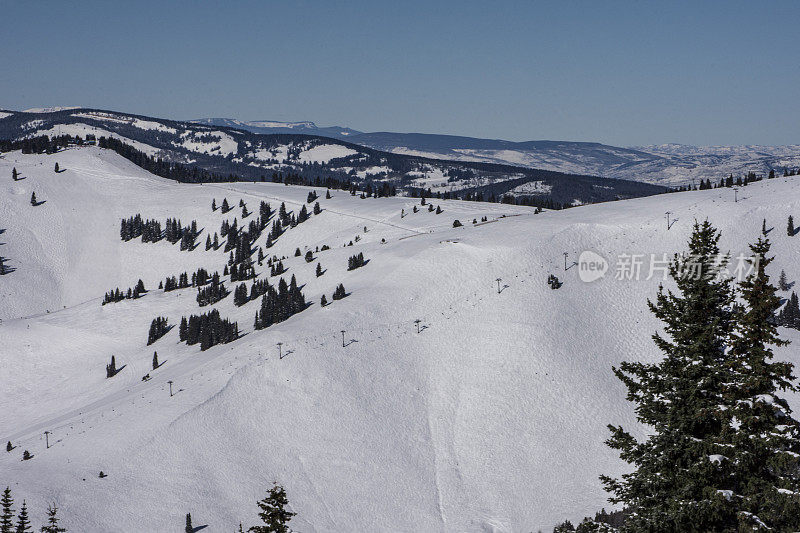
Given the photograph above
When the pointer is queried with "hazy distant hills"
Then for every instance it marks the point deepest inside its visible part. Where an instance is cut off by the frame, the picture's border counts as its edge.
(667, 164)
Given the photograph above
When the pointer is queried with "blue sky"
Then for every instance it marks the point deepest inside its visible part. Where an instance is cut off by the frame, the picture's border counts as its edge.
(624, 73)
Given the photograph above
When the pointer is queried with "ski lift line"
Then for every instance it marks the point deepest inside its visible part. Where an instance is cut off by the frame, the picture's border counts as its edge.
(306, 339)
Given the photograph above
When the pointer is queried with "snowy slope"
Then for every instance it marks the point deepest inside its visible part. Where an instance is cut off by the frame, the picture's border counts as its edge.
(491, 419)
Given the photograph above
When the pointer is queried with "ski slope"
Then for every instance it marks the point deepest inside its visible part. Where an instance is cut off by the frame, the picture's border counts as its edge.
(492, 418)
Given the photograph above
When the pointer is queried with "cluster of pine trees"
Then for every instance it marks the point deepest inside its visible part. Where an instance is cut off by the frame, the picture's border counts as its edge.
(212, 293)
(258, 288)
(279, 304)
(356, 261)
(790, 314)
(23, 523)
(117, 295)
(208, 329)
(171, 283)
(135, 226)
(723, 451)
(339, 292)
(158, 328)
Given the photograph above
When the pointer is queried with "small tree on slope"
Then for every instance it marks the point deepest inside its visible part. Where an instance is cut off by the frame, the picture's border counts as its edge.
(23, 523)
(674, 486)
(52, 521)
(7, 512)
(273, 512)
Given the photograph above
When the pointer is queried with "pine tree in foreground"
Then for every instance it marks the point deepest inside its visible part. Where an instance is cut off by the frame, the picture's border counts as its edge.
(273, 512)
(52, 521)
(6, 512)
(677, 484)
(23, 523)
(764, 451)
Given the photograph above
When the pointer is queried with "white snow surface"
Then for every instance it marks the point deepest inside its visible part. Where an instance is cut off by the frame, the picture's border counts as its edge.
(324, 153)
(491, 419)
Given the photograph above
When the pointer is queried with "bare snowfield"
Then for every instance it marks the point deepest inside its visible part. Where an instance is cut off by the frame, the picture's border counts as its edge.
(492, 418)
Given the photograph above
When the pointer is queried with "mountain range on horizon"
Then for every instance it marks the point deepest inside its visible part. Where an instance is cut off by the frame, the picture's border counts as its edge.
(670, 164)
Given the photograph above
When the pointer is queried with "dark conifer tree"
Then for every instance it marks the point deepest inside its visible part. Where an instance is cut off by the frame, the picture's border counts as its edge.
(52, 521)
(23, 523)
(317, 209)
(319, 269)
(225, 206)
(339, 293)
(183, 329)
(790, 226)
(309, 256)
(14, 173)
(686, 423)
(189, 528)
(328, 194)
(214, 204)
(56, 168)
(111, 368)
(33, 198)
(6, 510)
(764, 451)
(158, 327)
(273, 513)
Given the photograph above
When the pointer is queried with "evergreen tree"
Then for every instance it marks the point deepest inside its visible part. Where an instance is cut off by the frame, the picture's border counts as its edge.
(790, 314)
(9, 447)
(214, 204)
(790, 227)
(273, 513)
(26, 455)
(225, 206)
(783, 283)
(189, 528)
(33, 198)
(319, 269)
(14, 173)
(675, 484)
(317, 208)
(764, 227)
(111, 368)
(323, 301)
(457, 223)
(339, 293)
(764, 451)
(52, 521)
(309, 256)
(23, 523)
(7, 511)
(328, 194)
(155, 360)
(56, 168)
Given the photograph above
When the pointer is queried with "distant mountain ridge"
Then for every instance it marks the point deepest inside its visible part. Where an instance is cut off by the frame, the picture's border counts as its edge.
(223, 149)
(666, 164)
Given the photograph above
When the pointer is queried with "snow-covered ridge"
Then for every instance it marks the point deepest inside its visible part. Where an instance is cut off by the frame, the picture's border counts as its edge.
(492, 418)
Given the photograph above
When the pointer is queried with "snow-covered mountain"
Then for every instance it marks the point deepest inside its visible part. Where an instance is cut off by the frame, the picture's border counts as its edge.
(669, 164)
(225, 150)
(271, 127)
(491, 418)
